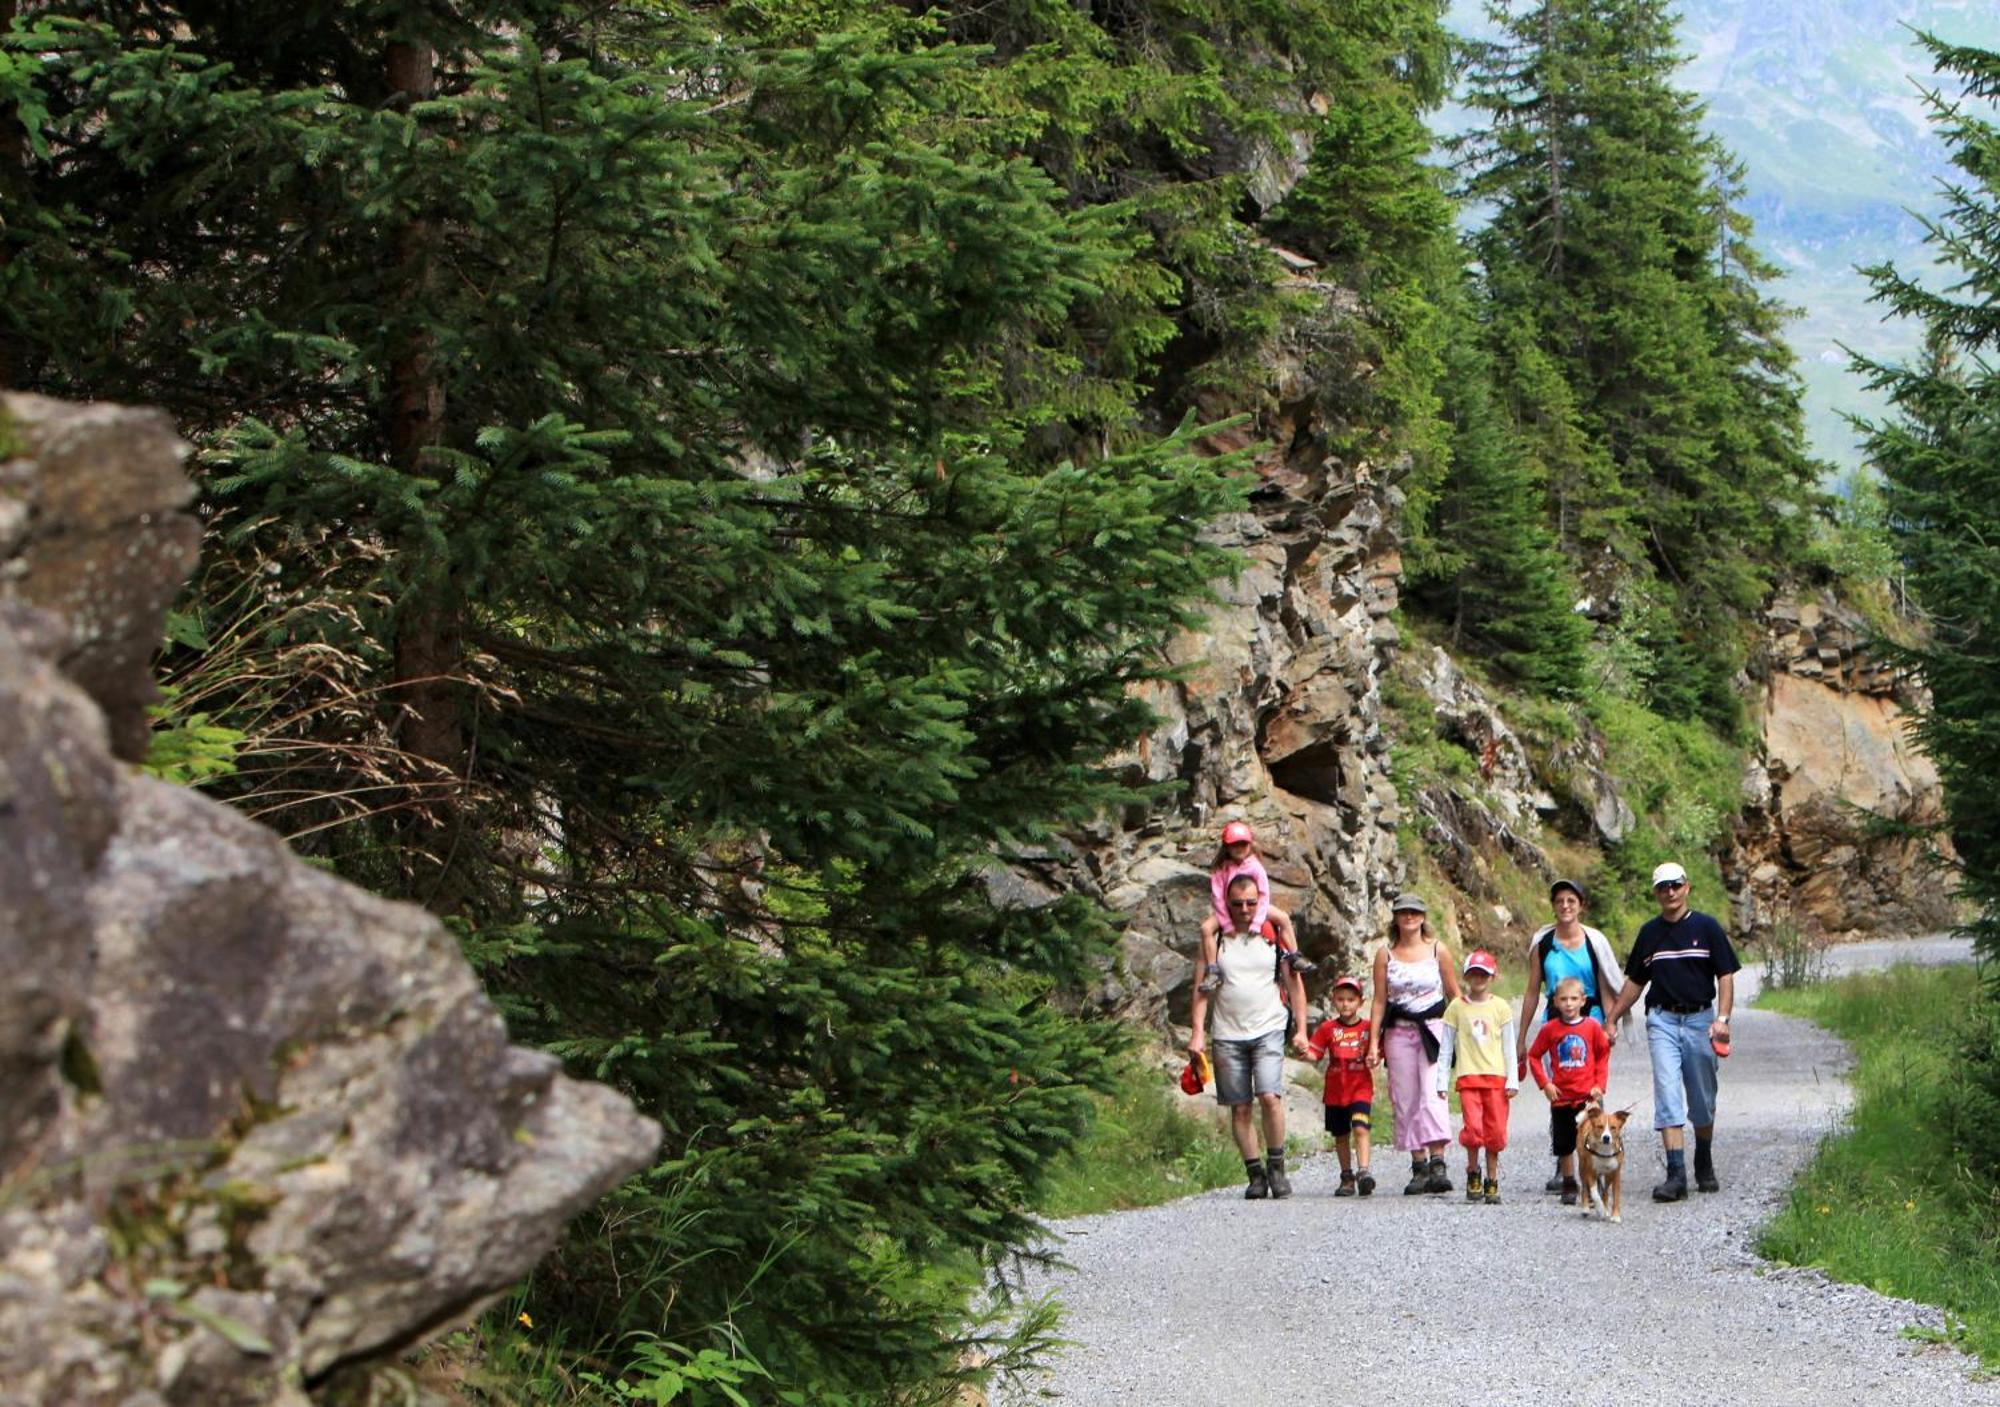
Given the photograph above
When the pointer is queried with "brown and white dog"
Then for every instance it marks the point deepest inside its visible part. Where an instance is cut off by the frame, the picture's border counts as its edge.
(1600, 1145)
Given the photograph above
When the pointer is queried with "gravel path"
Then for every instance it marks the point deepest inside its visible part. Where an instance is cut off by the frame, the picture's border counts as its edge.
(1218, 1302)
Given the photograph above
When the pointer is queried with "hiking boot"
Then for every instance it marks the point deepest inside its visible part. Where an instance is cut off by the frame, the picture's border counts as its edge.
(1570, 1191)
(1260, 1185)
(1492, 1192)
(1436, 1179)
(1557, 1183)
(1281, 1186)
(1364, 1182)
(1472, 1187)
(1420, 1179)
(1346, 1188)
(1674, 1189)
(1704, 1174)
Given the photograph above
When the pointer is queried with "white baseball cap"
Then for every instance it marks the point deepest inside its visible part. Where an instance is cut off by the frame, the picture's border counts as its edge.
(1669, 873)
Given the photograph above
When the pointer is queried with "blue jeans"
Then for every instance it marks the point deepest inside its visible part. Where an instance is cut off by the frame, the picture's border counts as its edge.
(1684, 1067)
(1247, 1068)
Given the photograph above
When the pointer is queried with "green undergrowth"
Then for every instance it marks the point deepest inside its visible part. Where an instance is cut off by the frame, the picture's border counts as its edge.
(1684, 785)
(1141, 1150)
(1681, 778)
(1888, 1202)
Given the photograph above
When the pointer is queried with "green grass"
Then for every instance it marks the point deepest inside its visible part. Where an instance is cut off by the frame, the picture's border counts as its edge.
(1887, 1204)
(1141, 1150)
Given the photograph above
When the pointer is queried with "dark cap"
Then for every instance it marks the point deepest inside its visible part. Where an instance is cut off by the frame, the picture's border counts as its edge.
(1408, 904)
(1572, 886)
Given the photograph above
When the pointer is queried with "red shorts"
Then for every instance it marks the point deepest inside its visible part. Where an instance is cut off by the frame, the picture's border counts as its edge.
(1482, 1099)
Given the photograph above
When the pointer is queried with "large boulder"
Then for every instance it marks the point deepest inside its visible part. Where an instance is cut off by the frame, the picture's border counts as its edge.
(258, 1126)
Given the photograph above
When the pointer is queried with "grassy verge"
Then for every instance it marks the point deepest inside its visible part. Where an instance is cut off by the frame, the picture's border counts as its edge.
(1886, 1204)
(1142, 1150)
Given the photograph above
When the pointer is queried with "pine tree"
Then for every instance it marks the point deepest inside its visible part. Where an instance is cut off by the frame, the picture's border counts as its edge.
(1494, 574)
(1617, 252)
(622, 392)
(1940, 460)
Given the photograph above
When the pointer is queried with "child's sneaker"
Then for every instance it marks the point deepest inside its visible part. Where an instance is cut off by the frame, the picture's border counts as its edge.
(1436, 1178)
(1420, 1179)
(1492, 1192)
(1471, 1187)
(1346, 1188)
(1364, 1182)
(1212, 982)
(1299, 962)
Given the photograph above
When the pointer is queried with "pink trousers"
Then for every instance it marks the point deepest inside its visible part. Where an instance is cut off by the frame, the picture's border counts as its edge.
(1421, 1116)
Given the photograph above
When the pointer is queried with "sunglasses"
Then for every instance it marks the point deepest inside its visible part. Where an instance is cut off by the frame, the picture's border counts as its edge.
(1242, 903)
(1669, 884)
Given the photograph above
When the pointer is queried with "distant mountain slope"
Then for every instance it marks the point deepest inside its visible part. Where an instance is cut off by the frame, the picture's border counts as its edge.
(1822, 101)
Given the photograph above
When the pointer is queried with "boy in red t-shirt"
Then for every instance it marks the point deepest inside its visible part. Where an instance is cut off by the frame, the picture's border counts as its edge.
(1350, 1086)
(1578, 1056)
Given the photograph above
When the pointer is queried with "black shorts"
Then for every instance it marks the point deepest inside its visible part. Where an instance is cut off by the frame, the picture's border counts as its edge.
(1341, 1118)
(1562, 1128)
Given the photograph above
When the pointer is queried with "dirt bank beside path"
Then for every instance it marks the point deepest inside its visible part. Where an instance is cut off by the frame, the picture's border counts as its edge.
(1218, 1302)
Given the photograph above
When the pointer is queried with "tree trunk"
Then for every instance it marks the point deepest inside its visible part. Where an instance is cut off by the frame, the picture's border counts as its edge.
(13, 151)
(1552, 115)
(429, 647)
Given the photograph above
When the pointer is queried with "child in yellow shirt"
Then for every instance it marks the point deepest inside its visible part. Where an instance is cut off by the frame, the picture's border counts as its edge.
(1477, 1039)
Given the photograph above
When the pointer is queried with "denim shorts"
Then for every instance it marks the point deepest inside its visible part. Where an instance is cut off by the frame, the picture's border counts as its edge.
(1246, 1068)
(1684, 1067)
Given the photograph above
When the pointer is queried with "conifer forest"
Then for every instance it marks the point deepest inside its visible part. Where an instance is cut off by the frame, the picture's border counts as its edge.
(696, 494)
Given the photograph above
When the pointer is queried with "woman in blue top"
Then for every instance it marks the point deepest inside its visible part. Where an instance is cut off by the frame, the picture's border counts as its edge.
(1566, 948)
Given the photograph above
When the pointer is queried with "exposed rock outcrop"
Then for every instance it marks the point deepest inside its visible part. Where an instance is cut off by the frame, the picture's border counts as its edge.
(1835, 764)
(256, 1125)
(1277, 721)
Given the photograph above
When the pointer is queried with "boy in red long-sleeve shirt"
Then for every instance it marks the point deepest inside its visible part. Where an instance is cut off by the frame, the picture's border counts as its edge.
(1577, 1057)
(1350, 1085)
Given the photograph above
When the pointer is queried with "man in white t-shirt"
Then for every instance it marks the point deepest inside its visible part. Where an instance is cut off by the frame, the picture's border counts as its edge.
(1250, 1019)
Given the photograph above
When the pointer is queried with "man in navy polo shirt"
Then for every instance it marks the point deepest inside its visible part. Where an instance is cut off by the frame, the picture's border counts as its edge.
(1684, 964)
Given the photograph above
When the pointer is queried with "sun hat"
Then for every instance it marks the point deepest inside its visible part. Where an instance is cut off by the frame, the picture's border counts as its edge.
(1408, 904)
(1669, 873)
(1235, 831)
(1479, 960)
(1190, 1079)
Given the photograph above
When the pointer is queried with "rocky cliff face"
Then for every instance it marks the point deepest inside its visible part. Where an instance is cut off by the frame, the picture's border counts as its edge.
(1280, 722)
(258, 1127)
(1277, 722)
(1835, 763)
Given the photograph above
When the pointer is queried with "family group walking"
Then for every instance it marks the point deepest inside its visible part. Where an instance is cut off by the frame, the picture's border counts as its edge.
(1436, 1024)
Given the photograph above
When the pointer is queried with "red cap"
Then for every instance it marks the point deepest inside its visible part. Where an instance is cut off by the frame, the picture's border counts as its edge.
(1479, 960)
(1190, 1079)
(1354, 982)
(1235, 831)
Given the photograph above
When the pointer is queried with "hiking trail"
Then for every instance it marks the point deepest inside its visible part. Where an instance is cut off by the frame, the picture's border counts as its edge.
(1213, 1301)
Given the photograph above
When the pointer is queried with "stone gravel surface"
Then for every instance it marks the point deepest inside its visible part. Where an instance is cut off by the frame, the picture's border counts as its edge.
(1393, 1299)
